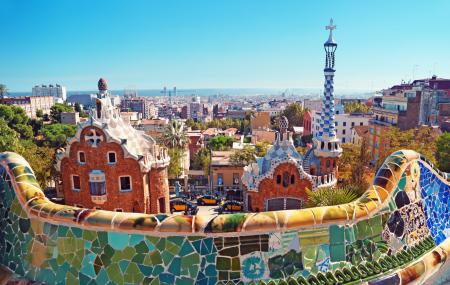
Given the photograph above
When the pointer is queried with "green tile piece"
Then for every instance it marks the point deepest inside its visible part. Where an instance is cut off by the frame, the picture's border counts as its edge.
(167, 257)
(141, 247)
(161, 245)
(156, 258)
(133, 274)
(349, 234)
(337, 252)
(89, 235)
(336, 234)
(114, 273)
(223, 263)
(235, 264)
(128, 252)
(178, 240)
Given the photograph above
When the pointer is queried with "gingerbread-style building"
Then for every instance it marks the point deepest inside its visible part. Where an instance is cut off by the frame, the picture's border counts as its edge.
(112, 166)
(279, 180)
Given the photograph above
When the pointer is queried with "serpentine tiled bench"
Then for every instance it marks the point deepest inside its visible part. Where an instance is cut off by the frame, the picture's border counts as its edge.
(396, 233)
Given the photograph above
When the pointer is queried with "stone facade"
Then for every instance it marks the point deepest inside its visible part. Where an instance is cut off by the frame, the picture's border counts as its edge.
(275, 188)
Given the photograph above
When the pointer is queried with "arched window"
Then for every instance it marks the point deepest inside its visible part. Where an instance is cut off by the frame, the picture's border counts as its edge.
(329, 146)
(285, 179)
(322, 144)
(292, 179)
(278, 179)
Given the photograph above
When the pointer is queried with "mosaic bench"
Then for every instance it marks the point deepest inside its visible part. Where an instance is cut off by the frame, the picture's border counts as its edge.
(396, 233)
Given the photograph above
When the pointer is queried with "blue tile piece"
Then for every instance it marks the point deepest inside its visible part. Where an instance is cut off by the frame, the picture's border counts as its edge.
(167, 278)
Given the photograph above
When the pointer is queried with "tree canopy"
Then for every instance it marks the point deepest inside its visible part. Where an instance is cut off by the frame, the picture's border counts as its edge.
(355, 107)
(221, 142)
(57, 109)
(421, 140)
(201, 160)
(294, 113)
(443, 152)
(175, 135)
(17, 119)
(56, 135)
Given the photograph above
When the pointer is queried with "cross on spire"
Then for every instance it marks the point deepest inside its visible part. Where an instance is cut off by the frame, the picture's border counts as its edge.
(331, 27)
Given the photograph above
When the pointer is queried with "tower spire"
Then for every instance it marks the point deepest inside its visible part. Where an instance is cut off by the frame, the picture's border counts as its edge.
(326, 142)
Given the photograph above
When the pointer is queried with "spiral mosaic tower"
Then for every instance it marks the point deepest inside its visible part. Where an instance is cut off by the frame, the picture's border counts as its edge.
(327, 144)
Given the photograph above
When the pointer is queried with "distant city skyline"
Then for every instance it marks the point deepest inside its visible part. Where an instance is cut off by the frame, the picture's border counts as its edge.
(228, 44)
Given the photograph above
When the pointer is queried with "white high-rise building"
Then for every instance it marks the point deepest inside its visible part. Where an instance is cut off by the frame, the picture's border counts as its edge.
(57, 91)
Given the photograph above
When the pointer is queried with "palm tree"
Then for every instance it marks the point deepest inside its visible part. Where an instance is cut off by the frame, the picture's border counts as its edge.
(175, 135)
(3, 90)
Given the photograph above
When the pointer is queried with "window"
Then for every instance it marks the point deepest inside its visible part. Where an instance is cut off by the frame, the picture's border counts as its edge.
(118, 209)
(292, 179)
(220, 179)
(361, 123)
(76, 183)
(97, 208)
(78, 205)
(285, 179)
(343, 140)
(344, 124)
(278, 179)
(125, 183)
(343, 132)
(336, 124)
(97, 183)
(81, 157)
(235, 178)
(328, 163)
(112, 157)
(353, 124)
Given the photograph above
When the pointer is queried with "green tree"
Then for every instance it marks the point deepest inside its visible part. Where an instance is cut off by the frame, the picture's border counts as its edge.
(201, 160)
(355, 107)
(57, 109)
(41, 160)
(243, 156)
(175, 167)
(3, 90)
(39, 113)
(56, 135)
(328, 196)
(9, 139)
(175, 135)
(17, 119)
(443, 152)
(294, 113)
(261, 148)
(221, 142)
(421, 140)
(81, 112)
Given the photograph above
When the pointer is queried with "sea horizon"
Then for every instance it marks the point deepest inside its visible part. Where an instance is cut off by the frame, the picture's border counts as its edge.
(206, 92)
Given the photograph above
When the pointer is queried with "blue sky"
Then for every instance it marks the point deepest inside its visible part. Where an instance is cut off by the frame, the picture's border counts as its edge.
(219, 44)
